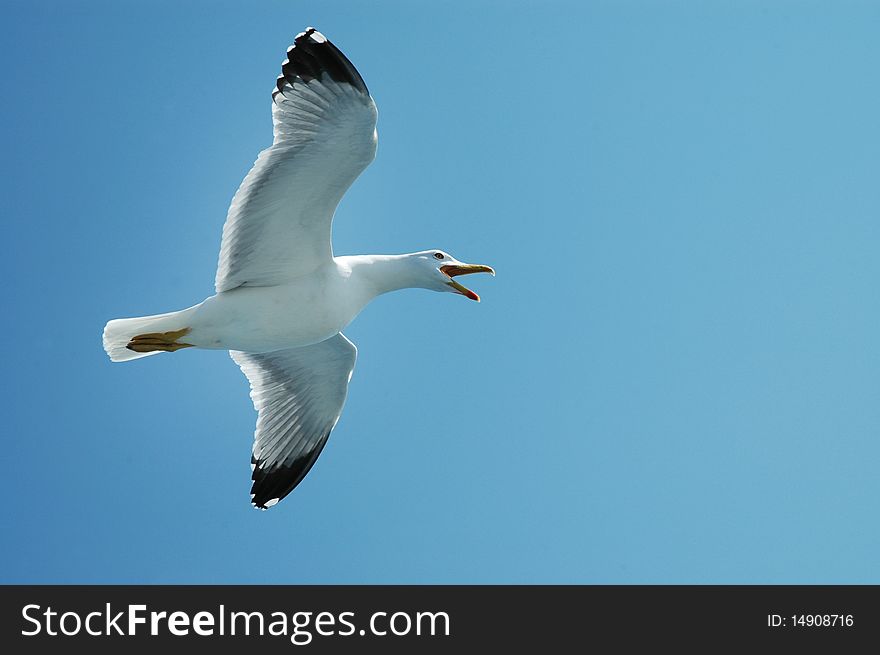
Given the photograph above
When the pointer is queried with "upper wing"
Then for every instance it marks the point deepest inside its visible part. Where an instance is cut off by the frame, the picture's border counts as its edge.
(298, 394)
(279, 222)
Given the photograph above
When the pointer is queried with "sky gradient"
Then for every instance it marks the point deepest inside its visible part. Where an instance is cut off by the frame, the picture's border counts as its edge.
(674, 378)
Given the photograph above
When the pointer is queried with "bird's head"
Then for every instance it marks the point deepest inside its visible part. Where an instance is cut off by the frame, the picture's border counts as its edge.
(438, 270)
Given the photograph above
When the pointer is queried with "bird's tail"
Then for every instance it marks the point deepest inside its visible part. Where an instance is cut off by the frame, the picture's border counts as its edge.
(132, 338)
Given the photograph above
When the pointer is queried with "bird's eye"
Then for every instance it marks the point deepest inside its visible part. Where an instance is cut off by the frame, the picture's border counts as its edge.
(438, 255)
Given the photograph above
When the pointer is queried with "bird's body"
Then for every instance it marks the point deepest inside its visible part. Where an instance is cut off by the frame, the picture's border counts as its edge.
(282, 299)
(303, 311)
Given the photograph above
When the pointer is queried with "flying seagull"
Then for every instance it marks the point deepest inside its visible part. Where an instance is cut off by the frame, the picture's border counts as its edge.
(282, 298)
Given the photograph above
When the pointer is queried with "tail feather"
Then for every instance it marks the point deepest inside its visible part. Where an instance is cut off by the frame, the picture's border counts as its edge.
(120, 332)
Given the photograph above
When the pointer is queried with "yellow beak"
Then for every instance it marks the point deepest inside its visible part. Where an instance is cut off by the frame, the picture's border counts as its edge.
(453, 270)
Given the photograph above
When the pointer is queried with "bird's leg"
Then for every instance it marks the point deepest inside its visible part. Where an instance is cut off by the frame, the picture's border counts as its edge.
(164, 341)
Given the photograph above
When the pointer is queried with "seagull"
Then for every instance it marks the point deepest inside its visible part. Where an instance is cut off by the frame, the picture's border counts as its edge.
(282, 298)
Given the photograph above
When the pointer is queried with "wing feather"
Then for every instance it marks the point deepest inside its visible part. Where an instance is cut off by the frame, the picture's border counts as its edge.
(279, 222)
(298, 394)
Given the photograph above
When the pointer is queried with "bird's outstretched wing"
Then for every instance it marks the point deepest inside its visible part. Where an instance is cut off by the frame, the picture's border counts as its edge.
(279, 223)
(298, 394)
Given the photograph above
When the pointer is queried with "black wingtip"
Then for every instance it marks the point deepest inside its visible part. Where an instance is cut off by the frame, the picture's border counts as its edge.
(272, 485)
(313, 55)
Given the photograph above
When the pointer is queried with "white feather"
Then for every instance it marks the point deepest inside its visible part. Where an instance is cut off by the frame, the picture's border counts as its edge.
(279, 223)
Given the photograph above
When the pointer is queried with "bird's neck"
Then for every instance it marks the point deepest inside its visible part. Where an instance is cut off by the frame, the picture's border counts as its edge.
(379, 274)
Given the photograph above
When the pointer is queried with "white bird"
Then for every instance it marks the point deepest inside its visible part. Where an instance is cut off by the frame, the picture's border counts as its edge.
(282, 298)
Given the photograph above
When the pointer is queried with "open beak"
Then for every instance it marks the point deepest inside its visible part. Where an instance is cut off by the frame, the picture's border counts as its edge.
(453, 270)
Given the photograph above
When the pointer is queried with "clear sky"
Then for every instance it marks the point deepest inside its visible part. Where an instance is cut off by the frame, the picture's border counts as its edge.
(674, 377)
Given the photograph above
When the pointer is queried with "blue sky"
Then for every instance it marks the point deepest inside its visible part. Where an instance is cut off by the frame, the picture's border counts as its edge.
(673, 378)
